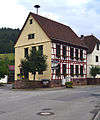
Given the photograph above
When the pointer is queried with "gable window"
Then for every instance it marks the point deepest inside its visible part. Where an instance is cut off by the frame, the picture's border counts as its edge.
(76, 54)
(58, 50)
(25, 52)
(31, 36)
(77, 70)
(72, 53)
(81, 54)
(31, 21)
(64, 51)
(41, 49)
(97, 46)
(72, 70)
(81, 70)
(97, 59)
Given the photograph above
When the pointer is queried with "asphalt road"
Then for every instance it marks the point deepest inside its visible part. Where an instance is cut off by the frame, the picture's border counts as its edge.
(81, 103)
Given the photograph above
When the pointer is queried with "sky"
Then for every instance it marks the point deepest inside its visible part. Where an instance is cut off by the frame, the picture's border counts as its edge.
(83, 16)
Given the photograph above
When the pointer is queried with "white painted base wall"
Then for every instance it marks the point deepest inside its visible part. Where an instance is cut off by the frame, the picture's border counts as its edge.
(4, 80)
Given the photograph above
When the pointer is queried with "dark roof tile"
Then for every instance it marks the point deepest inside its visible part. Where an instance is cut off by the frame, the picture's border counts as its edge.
(90, 42)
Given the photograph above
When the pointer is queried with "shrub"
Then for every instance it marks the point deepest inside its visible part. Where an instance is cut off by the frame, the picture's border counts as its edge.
(69, 84)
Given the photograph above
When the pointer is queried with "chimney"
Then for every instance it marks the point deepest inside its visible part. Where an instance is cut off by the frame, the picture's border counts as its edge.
(37, 6)
(82, 37)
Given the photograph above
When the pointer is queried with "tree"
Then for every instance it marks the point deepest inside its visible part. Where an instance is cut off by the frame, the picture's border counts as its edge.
(3, 68)
(34, 62)
(94, 71)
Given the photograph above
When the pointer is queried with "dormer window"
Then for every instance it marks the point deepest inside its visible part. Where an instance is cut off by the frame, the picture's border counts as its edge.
(97, 46)
(31, 21)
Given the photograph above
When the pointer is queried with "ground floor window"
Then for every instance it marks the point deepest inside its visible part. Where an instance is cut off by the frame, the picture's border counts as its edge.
(72, 70)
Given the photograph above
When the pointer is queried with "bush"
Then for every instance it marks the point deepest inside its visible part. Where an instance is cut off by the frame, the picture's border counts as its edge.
(69, 84)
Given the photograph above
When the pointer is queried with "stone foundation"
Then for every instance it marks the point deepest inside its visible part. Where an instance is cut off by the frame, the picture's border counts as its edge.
(24, 84)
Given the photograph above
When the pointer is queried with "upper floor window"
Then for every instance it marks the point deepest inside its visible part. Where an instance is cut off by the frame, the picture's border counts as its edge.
(31, 36)
(58, 50)
(41, 49)
(97, 59)
(72, 53)
(64, 51)
(76, 54)
(97, 46)
(81, 54)
(25, 52)
(31, 21)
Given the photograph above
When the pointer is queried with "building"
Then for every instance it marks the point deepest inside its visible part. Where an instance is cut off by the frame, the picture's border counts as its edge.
(11, 73)
(66, 52)
(93, 52)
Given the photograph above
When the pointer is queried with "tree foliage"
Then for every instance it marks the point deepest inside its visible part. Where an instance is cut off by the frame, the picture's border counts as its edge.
(8, 37)
(94, 71)
(3, 68)
(34, 62)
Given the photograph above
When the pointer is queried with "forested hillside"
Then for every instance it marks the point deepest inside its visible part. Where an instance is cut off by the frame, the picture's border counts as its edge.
(7, 38)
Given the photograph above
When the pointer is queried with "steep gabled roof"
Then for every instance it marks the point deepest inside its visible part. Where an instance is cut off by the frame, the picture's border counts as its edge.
(57, 31)
(90, 42)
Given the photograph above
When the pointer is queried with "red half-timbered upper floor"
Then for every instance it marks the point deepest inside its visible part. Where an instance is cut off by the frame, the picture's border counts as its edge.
(68, 61)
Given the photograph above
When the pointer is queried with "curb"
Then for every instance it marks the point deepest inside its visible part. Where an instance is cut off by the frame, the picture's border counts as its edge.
(97, 117)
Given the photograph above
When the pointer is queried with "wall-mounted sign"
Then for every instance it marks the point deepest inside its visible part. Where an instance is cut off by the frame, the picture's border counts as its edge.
(55, 64)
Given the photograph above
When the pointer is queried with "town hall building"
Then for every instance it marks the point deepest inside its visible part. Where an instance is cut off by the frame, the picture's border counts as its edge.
(67, 56)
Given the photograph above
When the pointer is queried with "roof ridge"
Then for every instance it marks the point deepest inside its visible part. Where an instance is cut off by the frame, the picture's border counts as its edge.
(50, 20)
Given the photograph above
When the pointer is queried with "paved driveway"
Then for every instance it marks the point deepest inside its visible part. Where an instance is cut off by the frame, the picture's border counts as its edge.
(65, 104)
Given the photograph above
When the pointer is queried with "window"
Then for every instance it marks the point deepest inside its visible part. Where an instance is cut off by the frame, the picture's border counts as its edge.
(31, 21)
(77, 70)
(41, 49)
(40, 72)
(81, 70)
(26, 75)
(58, 50)
(25, 52)
(64, 51)
(76, 54)
(81, 54)
(97, 59)
(30, 36)
(34, 48)
(64, 69)
(72, 70)
(58, 70)
(72, 53)
(97, 46)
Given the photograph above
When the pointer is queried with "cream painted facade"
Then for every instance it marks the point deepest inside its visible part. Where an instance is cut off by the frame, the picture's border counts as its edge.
(40, 38)
(91, 60)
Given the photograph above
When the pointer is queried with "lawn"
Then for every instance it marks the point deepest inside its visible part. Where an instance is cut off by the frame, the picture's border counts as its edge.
(10, 56)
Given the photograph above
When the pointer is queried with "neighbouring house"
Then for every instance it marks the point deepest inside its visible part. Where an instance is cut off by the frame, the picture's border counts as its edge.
(67, 56)
(4, 80)
(93, 52)
(11, 73)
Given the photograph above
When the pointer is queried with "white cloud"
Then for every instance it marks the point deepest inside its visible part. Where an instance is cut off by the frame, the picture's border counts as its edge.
(12, 14)
(81, 15)
(76, 3)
